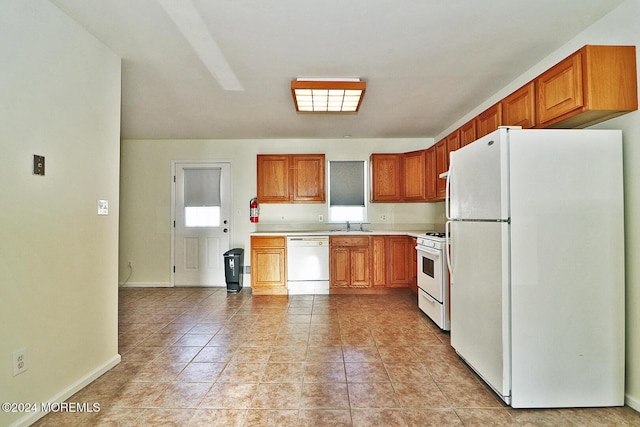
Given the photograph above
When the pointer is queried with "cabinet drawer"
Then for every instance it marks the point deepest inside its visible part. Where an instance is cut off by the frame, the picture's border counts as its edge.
(268, 241)
(349, 240)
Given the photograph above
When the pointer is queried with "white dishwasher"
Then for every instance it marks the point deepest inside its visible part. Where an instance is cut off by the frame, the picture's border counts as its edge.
(308, 265)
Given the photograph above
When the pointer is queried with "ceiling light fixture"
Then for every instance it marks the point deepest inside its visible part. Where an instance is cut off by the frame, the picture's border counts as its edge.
(327, 95)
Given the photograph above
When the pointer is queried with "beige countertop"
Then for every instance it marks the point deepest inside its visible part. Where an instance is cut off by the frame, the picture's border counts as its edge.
(356, 232)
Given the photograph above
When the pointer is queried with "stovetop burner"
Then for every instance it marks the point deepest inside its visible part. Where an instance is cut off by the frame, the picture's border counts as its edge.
(436, 234)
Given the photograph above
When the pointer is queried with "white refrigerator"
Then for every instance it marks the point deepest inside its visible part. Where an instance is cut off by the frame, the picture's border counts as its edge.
(537, 265)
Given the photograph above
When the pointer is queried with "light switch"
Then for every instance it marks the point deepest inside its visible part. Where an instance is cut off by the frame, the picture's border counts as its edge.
(38, 165)
(103, 207)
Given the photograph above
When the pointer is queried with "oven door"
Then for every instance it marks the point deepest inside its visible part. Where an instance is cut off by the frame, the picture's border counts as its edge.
(430, 267)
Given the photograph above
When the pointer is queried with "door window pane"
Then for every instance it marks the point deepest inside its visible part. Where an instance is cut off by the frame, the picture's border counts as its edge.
(202, 197)
(202, 216)
(202, 187)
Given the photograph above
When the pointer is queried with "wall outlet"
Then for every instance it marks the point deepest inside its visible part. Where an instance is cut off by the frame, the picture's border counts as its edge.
(282, 218)
(19, 361)
(383, 217)
(320, 218)
(103, 207)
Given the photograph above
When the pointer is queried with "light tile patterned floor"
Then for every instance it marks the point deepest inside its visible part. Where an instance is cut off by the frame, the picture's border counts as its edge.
(200, 357)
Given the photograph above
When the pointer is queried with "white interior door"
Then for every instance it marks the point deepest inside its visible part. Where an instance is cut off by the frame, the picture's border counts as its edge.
(201, 223)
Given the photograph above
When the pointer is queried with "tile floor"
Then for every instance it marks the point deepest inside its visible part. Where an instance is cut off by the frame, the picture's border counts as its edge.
(200, 357)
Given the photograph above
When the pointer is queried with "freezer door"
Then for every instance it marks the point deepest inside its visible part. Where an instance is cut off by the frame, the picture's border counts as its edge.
(478, 179)
(480, 300)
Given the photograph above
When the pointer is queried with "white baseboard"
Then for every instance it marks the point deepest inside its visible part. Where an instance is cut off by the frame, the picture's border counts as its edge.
(145, 285)
(69, 391)
(632, 402)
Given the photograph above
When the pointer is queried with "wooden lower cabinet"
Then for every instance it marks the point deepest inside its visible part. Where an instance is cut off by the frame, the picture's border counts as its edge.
(399, 261)
(371, 263)
(349, 262)
(378, 261)
(268, 265)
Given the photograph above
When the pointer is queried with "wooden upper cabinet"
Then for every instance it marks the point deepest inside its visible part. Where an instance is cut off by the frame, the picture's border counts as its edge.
(560, 90)
(432, 177)
(415, 178)
(308, 173)
(291, 178)
(594, 84)
(273, 178)
(386, 176)
(489, 120)
(468, 133)
(442, 165)
(518, 109)
(453, 141)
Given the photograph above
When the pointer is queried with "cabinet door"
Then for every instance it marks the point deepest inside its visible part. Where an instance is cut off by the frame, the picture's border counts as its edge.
(360, 260)
(442, 165)
(432, 177)
(273, 178)
(268, 271)
(340, 267)
(560, 89)
(385, 177)
(415, 181)
(489, 120)
(453, 141)
(399, 261)
(518, 109)
(378, 261)
(308, 178)
(468, 133)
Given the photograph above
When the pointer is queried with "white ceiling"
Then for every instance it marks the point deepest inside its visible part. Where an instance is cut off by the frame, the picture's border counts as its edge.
(427, 63)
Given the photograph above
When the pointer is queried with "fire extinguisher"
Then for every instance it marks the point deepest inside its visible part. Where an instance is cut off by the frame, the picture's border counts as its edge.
(254, 210)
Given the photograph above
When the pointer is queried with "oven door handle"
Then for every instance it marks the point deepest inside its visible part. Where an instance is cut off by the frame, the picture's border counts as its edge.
(428, 251)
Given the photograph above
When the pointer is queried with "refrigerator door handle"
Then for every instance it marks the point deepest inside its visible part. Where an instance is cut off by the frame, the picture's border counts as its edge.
(447, 197)
(447, 250)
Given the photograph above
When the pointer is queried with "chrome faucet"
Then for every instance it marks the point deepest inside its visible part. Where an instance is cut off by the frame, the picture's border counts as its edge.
(348, 226)
(361, 227)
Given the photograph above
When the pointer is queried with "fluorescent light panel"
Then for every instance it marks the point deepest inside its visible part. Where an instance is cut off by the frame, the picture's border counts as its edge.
(327, 96)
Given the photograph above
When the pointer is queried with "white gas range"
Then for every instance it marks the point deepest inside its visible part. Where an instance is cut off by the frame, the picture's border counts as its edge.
(433, 278)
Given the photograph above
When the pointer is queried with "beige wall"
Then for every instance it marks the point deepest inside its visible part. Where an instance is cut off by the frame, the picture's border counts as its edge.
(59, 97)
(620, 27)
(145, 216)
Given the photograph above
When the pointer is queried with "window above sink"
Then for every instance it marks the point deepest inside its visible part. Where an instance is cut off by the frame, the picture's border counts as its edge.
(347, 191)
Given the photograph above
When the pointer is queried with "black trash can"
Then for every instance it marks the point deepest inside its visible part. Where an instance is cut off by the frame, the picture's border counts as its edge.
(233, 269)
